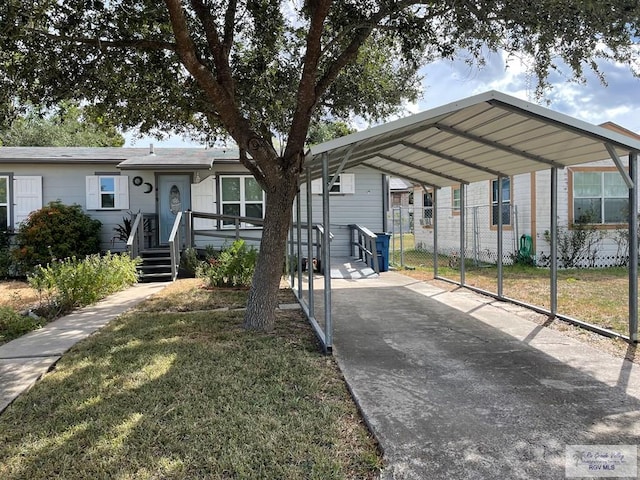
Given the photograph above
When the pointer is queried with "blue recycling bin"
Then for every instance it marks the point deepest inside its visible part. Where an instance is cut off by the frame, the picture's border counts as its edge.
(382, 249)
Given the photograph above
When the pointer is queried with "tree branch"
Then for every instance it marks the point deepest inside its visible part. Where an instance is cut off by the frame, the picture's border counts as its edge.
(229, 25)
(223, 71)
(306, 98)
(221, 98)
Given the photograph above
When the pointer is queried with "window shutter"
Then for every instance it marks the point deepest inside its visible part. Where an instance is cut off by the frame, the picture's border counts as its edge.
(348, 183)
(93, 192)
(122, 192)
(27, 196)
(316, 186)
(203, 199)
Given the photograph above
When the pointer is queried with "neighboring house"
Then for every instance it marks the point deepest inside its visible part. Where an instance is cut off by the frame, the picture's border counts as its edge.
(110, 183)
(593, 194)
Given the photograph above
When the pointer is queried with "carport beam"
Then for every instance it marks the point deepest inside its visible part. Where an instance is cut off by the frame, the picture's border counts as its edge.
(633, 248)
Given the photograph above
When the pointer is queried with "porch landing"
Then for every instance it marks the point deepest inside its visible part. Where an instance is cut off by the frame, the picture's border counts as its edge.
(351, 268)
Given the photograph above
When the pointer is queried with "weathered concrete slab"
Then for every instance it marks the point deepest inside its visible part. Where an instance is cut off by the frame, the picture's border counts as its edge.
(19, 374)
(468, 389)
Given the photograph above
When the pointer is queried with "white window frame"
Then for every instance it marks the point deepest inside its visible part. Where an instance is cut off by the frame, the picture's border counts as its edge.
(120, 192)
(242, 202)
(602, 197)
(345, 184)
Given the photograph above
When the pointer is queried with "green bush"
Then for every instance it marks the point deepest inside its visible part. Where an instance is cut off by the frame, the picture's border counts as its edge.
(55, 231)
(233, 267)
(6, 261)
(189, 263)
(12, 324)
(66, 284)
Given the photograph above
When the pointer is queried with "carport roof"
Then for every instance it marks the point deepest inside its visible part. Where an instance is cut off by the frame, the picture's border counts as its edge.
(474, 139)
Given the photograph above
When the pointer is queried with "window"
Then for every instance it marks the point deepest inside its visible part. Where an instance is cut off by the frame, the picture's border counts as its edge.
(455, 199)
(107, 192)
(344, 184)
(427, 210)
(599, 197)
(241, 196)
(506, 201)
(4, 203)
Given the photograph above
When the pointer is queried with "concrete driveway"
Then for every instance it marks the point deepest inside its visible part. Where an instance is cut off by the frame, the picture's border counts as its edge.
(459, 386)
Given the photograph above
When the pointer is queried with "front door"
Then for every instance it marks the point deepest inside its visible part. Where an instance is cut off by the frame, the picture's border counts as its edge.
(174, 195)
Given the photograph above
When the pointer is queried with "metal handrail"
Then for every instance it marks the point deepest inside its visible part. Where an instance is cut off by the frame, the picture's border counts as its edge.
(174, 246)
(364, 240)
(136, 237)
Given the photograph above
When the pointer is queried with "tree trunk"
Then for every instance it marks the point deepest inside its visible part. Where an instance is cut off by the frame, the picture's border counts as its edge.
(263, 296)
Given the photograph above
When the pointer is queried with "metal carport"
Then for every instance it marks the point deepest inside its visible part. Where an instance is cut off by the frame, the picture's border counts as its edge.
(483, 137)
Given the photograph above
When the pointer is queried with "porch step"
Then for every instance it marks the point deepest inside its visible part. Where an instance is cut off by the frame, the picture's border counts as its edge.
(155, 266)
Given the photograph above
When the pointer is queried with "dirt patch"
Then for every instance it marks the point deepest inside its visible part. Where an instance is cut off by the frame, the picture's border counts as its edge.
(17, 295)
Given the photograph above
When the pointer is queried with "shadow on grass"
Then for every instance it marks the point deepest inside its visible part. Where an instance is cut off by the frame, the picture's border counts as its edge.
(168, 395)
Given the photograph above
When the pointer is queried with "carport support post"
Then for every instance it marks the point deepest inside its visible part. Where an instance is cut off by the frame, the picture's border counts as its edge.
(310, 243)
(326, 258)
(633, 248)
(463, 194)
(499, 213)
(292, 272)
(554, 242)
(299, 243)
(434, 219)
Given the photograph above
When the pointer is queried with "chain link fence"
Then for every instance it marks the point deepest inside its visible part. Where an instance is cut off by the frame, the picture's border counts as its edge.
(592, 277)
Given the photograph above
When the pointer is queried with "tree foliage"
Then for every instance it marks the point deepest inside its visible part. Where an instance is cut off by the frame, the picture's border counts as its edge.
(65, 126)
(262, 69)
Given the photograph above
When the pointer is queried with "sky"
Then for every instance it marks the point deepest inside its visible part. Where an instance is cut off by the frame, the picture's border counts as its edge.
(449, 81)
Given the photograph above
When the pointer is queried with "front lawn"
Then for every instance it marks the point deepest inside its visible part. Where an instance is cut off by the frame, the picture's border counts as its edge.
(174, 392)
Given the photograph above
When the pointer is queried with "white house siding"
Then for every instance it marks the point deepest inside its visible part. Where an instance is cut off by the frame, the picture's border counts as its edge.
(531, 196)
(608, 249)
(480, 241)
(364, 207)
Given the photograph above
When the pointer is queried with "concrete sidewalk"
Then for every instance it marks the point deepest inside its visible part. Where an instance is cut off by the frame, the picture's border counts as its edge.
(24, 360)
(456, 385)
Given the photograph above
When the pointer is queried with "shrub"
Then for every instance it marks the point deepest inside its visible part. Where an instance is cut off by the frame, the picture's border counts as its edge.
(12, 324)
(189, 262)
(577, 246)
(55, 231)
(233, 267)
(6, 262)
(70, 283)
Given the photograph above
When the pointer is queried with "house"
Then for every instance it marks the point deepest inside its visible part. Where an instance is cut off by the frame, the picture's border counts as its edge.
(111, 183)
(593, 195)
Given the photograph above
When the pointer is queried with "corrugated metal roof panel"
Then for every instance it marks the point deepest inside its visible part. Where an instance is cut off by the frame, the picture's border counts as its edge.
(473, 140)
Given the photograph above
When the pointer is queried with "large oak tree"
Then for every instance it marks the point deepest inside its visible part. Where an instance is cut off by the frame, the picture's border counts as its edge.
(260, 71)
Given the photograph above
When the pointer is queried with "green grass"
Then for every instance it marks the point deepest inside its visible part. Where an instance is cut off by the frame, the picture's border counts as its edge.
(178, 395)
